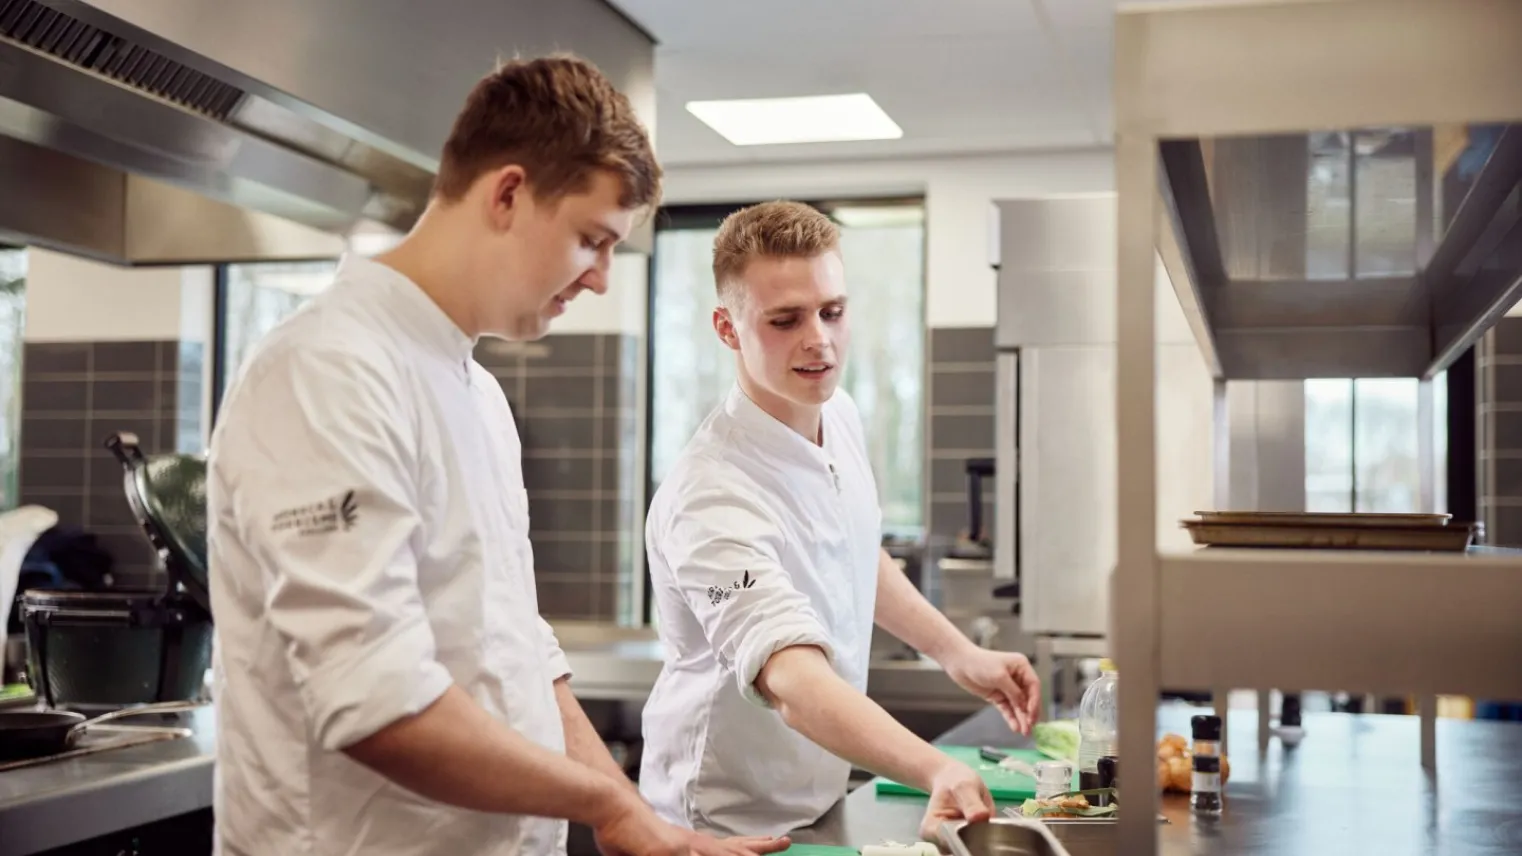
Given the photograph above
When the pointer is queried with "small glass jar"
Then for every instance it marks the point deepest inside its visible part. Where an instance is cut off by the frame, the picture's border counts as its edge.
(1053, 778)
(1205, 781)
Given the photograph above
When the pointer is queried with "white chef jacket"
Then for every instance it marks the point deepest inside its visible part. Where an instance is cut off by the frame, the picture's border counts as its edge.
(368, 536)
(758, 540)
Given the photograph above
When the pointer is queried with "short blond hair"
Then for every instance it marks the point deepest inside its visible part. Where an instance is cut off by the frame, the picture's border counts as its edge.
(778, 229)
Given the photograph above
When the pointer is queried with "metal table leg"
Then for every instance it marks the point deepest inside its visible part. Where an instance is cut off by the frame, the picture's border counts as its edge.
(1427, 710)
(1046, 672)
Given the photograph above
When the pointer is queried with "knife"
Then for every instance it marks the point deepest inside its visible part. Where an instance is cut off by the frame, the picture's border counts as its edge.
(989, 753)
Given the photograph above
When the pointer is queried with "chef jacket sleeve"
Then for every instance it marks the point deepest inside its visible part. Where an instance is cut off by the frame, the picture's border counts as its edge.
(560, 667)
(724, 551)
(320, 461)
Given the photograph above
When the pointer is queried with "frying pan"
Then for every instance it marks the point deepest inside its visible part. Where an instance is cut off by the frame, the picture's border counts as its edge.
(35, 733)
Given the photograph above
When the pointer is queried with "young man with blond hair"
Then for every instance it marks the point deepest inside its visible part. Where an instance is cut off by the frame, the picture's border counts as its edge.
(385, 685)
(766, 561)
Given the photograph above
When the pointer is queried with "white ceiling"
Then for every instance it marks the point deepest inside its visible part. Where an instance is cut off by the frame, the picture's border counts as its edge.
(959, 76)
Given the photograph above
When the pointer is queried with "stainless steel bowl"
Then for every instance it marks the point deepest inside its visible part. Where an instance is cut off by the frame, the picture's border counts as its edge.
(1005, 836)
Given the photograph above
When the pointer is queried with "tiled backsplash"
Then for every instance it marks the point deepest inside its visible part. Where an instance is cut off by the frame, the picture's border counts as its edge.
(576, 400)
(1499, 367)
(960, 426)
(75, 395)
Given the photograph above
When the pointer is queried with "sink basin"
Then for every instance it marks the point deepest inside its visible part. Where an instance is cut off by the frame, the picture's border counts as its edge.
(1005, 836)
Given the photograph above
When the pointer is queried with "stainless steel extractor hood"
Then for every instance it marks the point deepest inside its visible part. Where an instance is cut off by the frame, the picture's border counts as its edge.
(168, 131)
(1370, 252)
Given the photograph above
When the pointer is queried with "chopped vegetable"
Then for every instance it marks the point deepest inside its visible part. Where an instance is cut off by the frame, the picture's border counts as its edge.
(1057, 739)
(1073, 804)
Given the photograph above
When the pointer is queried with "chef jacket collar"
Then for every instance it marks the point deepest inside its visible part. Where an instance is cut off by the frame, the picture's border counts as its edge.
(773, 432)
(414, 310)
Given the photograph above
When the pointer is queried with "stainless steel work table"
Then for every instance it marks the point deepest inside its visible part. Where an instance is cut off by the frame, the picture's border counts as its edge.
(1354, 786)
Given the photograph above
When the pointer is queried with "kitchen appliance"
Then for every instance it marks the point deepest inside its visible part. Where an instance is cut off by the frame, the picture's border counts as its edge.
(103, 650)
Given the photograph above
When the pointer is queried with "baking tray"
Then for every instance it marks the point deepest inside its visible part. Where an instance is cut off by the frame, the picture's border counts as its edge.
(1323, 518)
(1452, 537)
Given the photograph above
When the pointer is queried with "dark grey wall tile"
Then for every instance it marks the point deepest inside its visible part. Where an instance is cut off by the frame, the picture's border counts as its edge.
(1507, 424)
(962, 388)
(575, 599)
(126, 396)
(1508, 478)
(1508, 384)
(559, 473)
(563, 515)
(575, 351)
(962, 432)
(48, 433)
(1503, 526)
(961, 345)
(55, 396)
(583, 556)
(559, 432)
(140, 357)
(40, 472)
(1507, 336)
(55, 358)
(559, 391)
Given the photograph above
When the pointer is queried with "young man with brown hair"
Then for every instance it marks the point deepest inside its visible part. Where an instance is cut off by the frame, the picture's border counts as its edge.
(769, 574)
(384, 682)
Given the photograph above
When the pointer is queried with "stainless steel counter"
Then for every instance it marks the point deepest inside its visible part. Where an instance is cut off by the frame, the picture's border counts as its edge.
(1356, 785)
(64, 802)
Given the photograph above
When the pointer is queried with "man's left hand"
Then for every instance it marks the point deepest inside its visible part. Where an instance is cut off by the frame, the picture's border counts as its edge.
(1003, 679)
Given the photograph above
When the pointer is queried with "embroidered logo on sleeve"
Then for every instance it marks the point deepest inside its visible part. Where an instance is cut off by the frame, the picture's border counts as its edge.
(319, 518)
(719, 594)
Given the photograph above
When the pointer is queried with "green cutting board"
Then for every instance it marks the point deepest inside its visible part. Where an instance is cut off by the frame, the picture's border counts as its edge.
(819, 850)
(1004, 785)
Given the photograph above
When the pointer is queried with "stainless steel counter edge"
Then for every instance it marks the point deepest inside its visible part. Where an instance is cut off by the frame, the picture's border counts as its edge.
(626, 669)
(53, 805)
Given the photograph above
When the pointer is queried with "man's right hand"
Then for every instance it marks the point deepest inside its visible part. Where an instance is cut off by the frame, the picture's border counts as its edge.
(956, 793)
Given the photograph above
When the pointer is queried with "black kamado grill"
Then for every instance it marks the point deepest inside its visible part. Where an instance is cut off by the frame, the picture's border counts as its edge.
(105, 650)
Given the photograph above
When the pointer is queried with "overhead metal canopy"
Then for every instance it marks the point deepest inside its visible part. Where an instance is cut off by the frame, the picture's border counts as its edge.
(283, 124)
(1368, 252)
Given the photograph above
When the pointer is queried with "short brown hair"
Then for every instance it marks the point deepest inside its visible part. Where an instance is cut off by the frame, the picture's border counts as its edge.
(769, 230)
(559, 118)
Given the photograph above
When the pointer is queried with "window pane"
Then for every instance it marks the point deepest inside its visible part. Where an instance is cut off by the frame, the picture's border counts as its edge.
(1385, 444)
(1440, 442)
(692, 368)
(885, 273)
(883, 250)
(1328, 445)
(12, 325)
(260, 296)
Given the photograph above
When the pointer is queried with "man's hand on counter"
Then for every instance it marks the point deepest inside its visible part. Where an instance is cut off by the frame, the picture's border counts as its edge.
(1003, 679)
(641, 833)
(956, 793)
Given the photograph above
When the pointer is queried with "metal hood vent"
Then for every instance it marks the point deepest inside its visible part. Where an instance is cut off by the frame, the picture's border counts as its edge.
(93, 49)
(171, 131)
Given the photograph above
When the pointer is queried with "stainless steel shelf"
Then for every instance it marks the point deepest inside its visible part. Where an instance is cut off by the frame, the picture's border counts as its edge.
(1357, 621)
(1219, 107)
